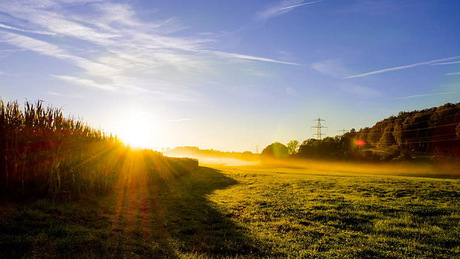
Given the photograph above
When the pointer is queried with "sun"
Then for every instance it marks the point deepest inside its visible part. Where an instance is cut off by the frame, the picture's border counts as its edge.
(136, 129)
(136, 135)
(140, 127)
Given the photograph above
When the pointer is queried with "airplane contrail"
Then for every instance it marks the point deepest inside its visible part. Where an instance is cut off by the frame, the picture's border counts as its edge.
(298, 5)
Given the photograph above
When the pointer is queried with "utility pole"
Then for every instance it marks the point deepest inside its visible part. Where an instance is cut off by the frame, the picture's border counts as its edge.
(318, 127)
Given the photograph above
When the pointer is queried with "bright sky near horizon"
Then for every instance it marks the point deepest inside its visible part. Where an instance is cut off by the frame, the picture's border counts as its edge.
(230, 75)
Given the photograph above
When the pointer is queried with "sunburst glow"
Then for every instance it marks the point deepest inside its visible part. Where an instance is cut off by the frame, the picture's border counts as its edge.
(135, 135)
(136, 129)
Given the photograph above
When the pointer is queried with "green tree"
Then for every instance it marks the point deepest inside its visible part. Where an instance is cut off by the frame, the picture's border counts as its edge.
(293, 146)
(275, 150)
(397, 132)
(387, 139)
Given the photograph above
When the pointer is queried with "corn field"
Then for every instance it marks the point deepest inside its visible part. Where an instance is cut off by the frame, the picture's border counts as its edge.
(44, 154)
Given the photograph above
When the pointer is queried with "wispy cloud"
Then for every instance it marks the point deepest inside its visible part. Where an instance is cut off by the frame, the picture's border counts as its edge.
(330, 67)
(422, 95)
(28, 43)
(126, 54)
(297, 5)
(431, 62)
(453, 74)
(335, 68)
(282, 8)
(52, 50)
(446, 63)
(4, 26)
(247, 57)
(85, 82)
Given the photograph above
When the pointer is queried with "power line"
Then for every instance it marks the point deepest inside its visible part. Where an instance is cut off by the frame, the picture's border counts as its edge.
(431, 127)
(343, 130)
(393, 119)
(452, 134)
(420, 142)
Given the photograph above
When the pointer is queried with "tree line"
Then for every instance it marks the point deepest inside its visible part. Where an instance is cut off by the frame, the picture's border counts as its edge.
(433, 131)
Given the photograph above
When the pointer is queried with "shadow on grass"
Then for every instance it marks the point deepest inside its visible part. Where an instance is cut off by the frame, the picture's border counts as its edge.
(168, 218)
(192, 222)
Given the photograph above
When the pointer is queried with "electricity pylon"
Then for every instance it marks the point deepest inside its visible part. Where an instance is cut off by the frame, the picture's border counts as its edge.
(319, 134)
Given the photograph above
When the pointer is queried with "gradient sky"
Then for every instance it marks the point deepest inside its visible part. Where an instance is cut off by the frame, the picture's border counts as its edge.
(230, 75)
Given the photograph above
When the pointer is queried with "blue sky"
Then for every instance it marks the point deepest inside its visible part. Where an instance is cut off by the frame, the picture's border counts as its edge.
(230, 75)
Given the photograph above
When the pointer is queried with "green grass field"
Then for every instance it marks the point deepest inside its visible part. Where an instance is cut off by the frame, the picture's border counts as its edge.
(308, 213)
(250, 211)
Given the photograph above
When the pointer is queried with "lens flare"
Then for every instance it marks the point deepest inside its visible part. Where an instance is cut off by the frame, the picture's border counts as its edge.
(360, 142)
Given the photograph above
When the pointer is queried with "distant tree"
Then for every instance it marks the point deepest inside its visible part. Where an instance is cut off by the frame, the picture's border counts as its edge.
(247, 154)
(387, 139)
(375, 133)
(328, 148)
(363, 134)
(309, 148)
(432, 130)
(397, 132)
(345, 145)
(275, 150)
(293, 146)
(428, 131)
